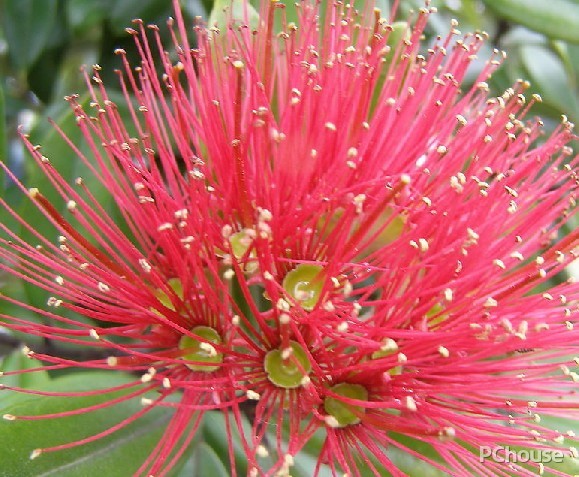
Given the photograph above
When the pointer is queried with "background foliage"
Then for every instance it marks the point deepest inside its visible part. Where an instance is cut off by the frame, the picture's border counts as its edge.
(42, 45)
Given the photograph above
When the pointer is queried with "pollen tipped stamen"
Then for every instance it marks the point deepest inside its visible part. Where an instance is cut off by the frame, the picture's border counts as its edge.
(308, 305)
(35, 453)
(72, 232)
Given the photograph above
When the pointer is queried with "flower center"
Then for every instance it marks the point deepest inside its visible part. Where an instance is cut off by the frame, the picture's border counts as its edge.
(305, 284)
(201, 351)
(346, 414)
(286, 368)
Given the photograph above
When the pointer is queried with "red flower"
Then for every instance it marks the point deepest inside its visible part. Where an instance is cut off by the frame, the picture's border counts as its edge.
(322, 222)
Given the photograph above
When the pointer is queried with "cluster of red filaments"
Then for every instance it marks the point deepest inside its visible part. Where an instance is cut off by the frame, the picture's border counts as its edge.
(320, 226)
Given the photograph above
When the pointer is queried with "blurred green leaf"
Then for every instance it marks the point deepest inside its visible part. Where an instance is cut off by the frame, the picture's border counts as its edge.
(195, 8)
(28, 25)
(224, 11)
(70, 79)
(2, 134)
(549, 78)
(41, 75)
(291, 12)
(84, 15)
(124, 12)
(554, 18)
(562, 50)
(121, 453)
(573, 52)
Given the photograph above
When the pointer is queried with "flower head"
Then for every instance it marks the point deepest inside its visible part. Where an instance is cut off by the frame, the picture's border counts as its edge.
(319, 223)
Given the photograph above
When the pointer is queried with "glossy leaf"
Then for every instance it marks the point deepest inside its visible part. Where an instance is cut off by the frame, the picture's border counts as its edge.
(121, 453)
(554, 18)
(28, 25)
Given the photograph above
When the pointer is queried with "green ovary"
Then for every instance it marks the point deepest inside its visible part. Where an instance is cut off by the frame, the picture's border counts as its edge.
(344, 413)
(202, 351)
(165, 300)
(305, 284)
(287, 373)
(240, 243)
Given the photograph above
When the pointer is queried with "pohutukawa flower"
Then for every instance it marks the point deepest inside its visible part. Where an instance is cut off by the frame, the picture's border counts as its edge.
(319, 220)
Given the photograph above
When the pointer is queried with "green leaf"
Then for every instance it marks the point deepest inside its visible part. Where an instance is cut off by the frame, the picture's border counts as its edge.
(554, 18)
(549, 78)
(3, 151)
(562, 50)
(573, 52)
(2, 134)
(43, 74)
(569, 425)
(194, 8)
(28, 25)
(18, 361)
(120, 453)
(291, 12)
(124, 12)
(226, 10)
(205, 462)
(215, 435)
(412, 466)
